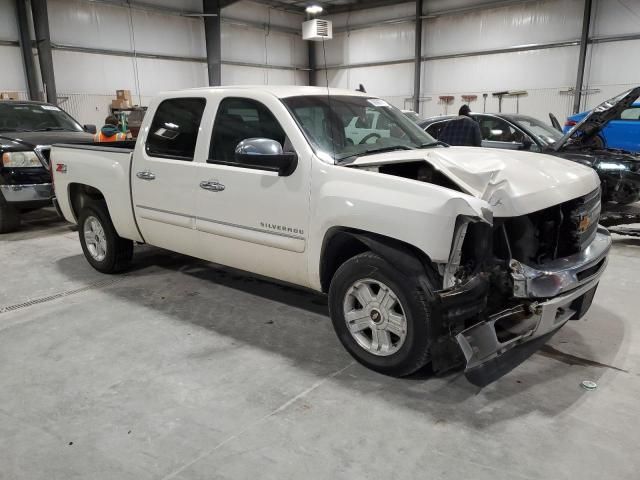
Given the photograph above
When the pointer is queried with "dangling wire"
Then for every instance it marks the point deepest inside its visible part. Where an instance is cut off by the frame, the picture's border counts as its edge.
(132, 41)
(266, 49)
(326, 76)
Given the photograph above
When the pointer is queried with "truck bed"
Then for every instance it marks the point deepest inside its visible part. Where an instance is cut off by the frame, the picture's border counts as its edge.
(105, 167)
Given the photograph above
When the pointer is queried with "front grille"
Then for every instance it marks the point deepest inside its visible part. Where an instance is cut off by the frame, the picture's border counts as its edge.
(554, 232)
(45, 155)
(581, 217)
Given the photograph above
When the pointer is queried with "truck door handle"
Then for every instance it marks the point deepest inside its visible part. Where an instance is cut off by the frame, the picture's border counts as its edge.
(212, 186)
(146, 175)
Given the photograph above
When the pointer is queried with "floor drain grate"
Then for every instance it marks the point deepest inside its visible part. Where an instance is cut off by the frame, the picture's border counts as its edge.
(55, 296)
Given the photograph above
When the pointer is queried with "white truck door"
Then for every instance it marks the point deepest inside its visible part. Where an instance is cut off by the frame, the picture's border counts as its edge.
(164, 174)
(249, 217)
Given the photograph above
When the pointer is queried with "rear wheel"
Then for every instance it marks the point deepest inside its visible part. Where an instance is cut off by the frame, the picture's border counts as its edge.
(102, 247)
(9, 218)
(380, 315)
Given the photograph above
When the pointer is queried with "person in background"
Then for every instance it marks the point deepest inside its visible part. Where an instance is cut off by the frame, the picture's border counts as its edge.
(109, 132)
(462, 130)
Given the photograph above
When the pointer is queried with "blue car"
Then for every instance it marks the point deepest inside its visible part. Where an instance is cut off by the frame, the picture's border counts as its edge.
(622, 132)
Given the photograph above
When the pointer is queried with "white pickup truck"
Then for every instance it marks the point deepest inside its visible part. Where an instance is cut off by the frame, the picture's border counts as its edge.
(428, 253)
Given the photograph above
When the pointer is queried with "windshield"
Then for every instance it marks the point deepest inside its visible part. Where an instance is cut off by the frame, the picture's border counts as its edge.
(344, 126)
(544, 132)
(34, 117)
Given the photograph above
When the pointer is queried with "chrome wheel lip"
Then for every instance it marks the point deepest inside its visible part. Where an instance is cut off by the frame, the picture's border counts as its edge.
(375, 318)
(95, 238)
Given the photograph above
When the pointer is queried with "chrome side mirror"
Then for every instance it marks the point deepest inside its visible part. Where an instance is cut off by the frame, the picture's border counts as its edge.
(265, 154)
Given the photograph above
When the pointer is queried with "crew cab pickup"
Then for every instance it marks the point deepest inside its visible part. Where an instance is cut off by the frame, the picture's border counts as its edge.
(429, 254)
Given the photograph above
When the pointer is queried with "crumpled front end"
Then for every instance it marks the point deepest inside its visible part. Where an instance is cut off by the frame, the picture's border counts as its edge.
(508, 287)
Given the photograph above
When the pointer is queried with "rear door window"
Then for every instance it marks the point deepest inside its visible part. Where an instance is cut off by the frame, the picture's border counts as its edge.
(174, 130)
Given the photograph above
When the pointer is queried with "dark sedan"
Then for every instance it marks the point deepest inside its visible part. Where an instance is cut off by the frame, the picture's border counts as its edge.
(619, 171)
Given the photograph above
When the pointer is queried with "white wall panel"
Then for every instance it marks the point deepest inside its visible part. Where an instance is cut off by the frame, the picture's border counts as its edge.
(615, 17)
(81, 23)
(12, 72)
(158, 75)
(371, 15)
(104, 74)
(90, 73)
(184, 5)
(609, 71)
(260, 13)
(520, 70)
(394, 82)
(8, 20)
(387, 42)
(245, 44)
(522, 24)
(238, 75)
(169, 34)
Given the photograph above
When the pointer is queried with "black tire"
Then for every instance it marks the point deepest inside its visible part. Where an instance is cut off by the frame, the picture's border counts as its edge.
(416, 305)
(9, 218)
(119, 251)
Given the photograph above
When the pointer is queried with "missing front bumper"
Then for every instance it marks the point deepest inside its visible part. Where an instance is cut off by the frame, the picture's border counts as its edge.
(549, 297)
(487, 345)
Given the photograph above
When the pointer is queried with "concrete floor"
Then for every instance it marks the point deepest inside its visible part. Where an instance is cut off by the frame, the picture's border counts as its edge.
(181, 370)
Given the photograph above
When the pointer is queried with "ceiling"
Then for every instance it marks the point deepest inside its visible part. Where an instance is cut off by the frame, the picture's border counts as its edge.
(330, 6)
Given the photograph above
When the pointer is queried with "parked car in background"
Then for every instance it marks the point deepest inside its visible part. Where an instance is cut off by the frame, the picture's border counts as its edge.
(27, 131)
(412, 115)
(428, 253)
(622, 131)
(619, 171)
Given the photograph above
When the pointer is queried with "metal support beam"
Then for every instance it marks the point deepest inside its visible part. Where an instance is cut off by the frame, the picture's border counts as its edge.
(213, 40)
(43, 42)
(312, 63)
(584, 40)
(417, 60)
(27, 51)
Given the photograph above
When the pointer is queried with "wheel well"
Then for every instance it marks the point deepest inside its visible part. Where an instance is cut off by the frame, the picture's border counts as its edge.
(341, 244)
(80, 195)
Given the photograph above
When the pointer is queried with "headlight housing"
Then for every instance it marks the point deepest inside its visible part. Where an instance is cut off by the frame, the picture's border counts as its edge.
(24, 159)
(612, 166)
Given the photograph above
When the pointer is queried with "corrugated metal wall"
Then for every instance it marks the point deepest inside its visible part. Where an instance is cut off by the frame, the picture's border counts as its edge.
(251, 35)
(546, 74)
(86, 82)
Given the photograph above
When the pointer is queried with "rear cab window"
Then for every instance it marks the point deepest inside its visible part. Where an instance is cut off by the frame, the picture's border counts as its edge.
(174, 130)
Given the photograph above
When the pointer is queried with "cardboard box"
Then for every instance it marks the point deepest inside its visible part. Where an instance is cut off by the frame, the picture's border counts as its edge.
(123, 95)
(8, 95)
(119, 103)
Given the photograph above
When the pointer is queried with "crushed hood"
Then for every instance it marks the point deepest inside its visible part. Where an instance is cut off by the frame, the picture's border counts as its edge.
(597, 119)
(512, 182)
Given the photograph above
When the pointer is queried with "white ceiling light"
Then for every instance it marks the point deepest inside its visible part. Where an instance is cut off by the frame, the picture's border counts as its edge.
(314, 9)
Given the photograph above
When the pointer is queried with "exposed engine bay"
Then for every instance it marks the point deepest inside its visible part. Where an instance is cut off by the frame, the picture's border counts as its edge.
(506, 280)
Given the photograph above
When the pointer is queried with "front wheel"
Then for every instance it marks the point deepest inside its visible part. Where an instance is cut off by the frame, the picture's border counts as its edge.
(9, 219)
(102, 247)
(380, 315)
